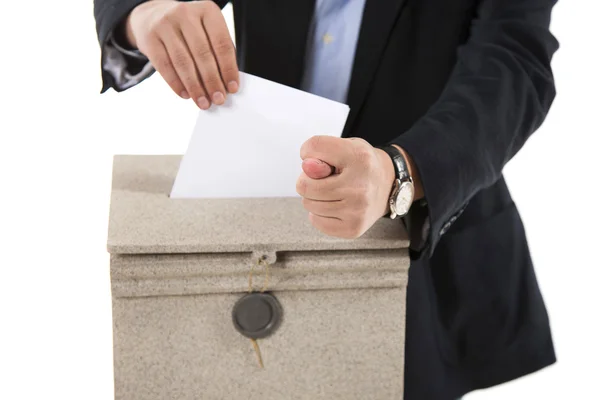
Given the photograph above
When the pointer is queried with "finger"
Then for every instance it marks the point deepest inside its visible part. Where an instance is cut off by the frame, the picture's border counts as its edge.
(331, 209)
(159, 58)
(185, 66)
(329, 226)
(317, 169)
(333, 150)
(223, 48)
(204, 59)
(320, 189)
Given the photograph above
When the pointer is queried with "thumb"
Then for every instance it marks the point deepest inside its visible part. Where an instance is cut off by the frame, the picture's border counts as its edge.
(317, 169)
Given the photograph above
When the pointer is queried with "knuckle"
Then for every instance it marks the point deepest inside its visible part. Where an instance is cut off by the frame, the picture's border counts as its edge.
(358, 140)
(301, 185)
(154, 29)
(177, 11)
(305, 204)
(189, 81)
(168, 73)
(211, 79)
(164, 63)
(354, 229)
(229, 69)
(180, 60)
(223, 46)
(204, 53)
(313, 143)
(195, 89)
(158, 25)
(208, 6)
(170, 18)
(309, 146)
(311, 218)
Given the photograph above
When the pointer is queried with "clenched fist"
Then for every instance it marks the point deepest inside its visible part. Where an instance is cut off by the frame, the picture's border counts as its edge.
(189, 45)
(345, 185)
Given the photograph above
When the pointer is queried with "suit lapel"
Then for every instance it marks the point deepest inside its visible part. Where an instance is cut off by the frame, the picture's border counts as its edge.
(271, 37)
(378, 20)
(295, 25)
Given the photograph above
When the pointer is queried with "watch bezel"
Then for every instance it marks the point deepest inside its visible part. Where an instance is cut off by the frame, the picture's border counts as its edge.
(398, 188)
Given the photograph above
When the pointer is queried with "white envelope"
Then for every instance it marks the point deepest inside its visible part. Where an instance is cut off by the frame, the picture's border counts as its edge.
(250, 146)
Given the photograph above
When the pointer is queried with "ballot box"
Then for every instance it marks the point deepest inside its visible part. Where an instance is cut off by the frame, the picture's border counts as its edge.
(244, 299)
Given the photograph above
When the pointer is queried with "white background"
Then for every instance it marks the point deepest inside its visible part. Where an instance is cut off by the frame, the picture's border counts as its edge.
(57, 139)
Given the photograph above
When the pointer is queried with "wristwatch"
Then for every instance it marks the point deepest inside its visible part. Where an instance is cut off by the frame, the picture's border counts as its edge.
(403, 190)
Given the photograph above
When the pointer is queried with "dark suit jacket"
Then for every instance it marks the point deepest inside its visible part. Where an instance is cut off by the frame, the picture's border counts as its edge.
(460, 85)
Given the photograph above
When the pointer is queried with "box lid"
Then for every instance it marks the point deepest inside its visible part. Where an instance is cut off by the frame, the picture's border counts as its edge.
(144, 220)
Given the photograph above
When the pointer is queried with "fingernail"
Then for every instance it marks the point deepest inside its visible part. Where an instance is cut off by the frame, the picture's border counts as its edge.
(232, 87)
(218, 98)
(203, 103)
(184, 94)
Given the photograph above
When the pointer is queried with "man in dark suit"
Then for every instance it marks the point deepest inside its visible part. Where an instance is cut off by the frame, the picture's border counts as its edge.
(442, 95)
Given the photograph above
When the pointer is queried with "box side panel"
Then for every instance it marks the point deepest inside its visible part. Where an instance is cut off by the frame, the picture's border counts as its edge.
(332, 344)
(184, 274)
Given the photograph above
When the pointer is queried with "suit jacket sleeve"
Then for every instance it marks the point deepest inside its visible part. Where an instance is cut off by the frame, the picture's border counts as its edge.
(498, 94)
(109, 14)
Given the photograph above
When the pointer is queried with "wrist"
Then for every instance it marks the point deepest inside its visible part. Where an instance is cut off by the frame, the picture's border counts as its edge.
(126, 33)
(122, 35)
(389, 176)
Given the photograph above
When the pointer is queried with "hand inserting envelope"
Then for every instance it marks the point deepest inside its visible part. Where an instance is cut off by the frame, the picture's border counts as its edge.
(250, 146)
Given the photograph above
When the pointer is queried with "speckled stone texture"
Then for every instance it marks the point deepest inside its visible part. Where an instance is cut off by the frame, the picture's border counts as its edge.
(179, 266)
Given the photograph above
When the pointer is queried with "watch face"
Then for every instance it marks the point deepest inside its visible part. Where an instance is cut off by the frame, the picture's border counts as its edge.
(404, 198)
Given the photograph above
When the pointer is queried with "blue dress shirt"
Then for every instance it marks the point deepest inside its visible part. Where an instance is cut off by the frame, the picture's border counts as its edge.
(331, 48)
(329, 57)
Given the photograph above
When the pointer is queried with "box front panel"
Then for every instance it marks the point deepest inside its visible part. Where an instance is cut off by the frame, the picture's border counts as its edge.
(332, 344)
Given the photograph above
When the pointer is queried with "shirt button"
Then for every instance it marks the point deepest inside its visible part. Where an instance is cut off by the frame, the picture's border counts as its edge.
(327, 38)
